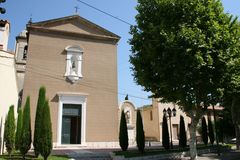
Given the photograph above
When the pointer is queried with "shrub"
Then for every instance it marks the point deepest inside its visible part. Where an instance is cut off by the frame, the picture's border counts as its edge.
(9, 132)
(204, 131)
(182, 135)
(140, 137)
(26, 129)
(123, 133)
(210, 131)
(19, 129)
(38, 120)
(46, 133)
(165, 133)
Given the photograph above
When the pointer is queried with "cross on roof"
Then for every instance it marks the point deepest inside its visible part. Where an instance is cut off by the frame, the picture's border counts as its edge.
(76, 9)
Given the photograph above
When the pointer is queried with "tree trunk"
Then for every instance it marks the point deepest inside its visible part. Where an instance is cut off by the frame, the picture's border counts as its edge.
(193, 138)
(235, 109)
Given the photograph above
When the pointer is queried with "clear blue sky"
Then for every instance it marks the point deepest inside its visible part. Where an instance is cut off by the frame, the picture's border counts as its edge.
(19, 12)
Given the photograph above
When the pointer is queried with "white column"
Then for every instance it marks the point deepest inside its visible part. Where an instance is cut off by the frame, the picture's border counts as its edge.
(59, 121)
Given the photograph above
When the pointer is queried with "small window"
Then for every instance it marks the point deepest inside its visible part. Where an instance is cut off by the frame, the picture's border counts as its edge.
(151, 116)
(25, 52)
(74, 63)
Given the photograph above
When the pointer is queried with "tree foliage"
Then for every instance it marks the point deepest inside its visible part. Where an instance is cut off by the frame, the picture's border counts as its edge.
(211, 131)
(46, 132)
(182, 134)
(19, 129)
(26, 139)
(38, 119)
(204, 131)
(140, 136)
(178, 50)
(9, 132)
(165, 133)
(123, 133)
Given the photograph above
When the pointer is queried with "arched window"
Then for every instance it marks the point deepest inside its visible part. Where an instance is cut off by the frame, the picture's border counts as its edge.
(74, 63)
(25, 52)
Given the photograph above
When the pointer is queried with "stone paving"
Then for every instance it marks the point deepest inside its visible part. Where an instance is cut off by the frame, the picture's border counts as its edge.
(106, 154)
(83, 154)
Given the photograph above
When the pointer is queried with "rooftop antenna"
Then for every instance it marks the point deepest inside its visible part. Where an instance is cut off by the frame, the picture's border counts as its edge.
(76, 10)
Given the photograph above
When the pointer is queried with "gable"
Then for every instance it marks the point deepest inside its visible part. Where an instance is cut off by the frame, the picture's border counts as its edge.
(74, 24)
(76, 27)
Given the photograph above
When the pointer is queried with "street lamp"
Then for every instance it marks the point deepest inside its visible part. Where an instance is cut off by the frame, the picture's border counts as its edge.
(171, 113)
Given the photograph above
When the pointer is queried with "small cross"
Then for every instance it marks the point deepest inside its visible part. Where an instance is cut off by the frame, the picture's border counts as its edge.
(76, 9)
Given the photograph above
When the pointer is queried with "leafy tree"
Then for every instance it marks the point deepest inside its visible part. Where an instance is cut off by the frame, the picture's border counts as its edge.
(9, 132)
(211, 131)
(26, 139)
(204, 131)
(165, 133)
(46, 132)
(140, 136)
(19, 129)
(123, 133)
(178, 50)
(182, 135)
(38, 119)
(232, 88)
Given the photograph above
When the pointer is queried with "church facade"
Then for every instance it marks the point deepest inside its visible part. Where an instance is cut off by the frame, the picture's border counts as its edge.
(76, 61)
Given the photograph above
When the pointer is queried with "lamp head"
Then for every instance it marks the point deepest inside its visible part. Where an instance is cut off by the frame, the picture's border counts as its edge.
(169, 111)
(164, 112)
(174, 112)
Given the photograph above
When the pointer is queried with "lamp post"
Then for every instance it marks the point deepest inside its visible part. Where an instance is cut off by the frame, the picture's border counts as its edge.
(171, 113)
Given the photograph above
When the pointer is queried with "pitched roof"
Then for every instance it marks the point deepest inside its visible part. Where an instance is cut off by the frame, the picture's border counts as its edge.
(75, 22)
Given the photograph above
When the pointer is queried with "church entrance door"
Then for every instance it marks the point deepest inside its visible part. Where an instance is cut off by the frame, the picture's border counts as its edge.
(71, 124)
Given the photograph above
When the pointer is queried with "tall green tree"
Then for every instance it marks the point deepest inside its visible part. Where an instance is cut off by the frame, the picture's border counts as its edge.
(38, 119)
(140, 136)
(178, 50)
(123, 133)
(165, 133)
(211, 131)
(182, 134)
(9, 132)
(232, 88)
(26, 139)
(204, 131)
(19, 129)
(46, 132)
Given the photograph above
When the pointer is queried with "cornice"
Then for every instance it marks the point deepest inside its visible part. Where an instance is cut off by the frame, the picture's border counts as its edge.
(73, 34)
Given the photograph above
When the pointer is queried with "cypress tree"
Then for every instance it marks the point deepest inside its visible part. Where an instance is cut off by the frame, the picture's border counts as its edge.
(38, 120)
(9, 132)
(204, 131)
(123, 133)
(140, 137)
(165, 133)
(182, 136)
(210, 131)
(46, 132)
(26, 129)
(19, 129)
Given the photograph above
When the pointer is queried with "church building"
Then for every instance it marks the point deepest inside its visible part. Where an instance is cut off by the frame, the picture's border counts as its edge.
(76, 61)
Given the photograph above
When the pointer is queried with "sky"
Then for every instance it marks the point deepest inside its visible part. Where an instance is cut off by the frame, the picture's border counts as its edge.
(19, 13)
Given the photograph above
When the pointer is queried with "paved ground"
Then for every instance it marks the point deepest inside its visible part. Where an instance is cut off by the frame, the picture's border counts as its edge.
(85, 154)
(225, 156)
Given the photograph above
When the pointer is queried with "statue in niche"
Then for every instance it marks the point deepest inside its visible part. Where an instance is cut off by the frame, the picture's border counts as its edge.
(127, 116)
(73, 67)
